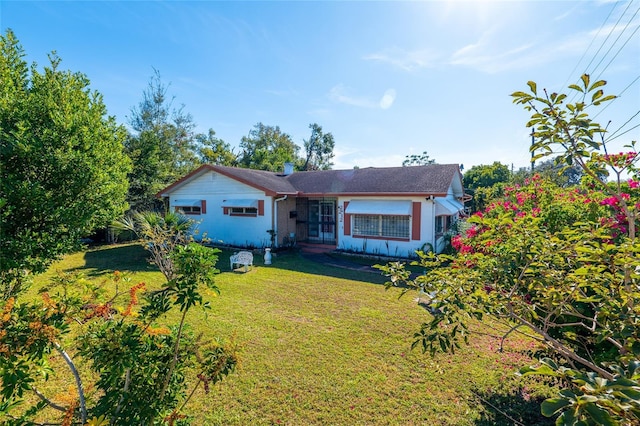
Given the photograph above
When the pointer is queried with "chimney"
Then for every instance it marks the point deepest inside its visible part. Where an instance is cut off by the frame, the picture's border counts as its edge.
(288, 169)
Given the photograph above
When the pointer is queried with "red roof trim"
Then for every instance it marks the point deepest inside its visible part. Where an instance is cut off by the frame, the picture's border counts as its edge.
(373, 194)
(208, 167)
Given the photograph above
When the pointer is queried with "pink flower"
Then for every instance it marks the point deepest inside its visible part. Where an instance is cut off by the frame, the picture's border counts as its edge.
(611, 201)
(633, 184)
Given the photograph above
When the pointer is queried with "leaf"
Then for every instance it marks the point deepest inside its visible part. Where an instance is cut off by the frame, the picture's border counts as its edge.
(598, 94)
(534, 88)
(600, 415)
(597, 84)
(585, 80)
(576, 87)
(551, 406)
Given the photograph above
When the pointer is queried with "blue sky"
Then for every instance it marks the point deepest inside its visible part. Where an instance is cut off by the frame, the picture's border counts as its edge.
(387, 79)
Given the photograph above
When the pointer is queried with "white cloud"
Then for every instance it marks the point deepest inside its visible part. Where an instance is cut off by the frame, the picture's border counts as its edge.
(340, 94)
(387, 99)
(405, 59)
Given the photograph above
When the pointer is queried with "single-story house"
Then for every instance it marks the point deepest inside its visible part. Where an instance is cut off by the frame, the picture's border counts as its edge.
(389, 211)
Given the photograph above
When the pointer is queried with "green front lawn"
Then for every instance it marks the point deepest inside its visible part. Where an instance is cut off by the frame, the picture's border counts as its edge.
(324, 345)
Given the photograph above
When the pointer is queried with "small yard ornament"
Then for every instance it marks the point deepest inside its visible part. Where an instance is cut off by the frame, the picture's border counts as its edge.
(267, 256)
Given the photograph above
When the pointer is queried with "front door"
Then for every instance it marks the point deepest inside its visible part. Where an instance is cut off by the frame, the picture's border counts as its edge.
(322, 221)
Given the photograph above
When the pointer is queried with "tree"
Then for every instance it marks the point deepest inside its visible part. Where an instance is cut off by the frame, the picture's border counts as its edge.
(139, 364)
(318, 150)
(553, 170)
(163, 147)
(485, 182)
(559, 265)
(267, 148)
(214, 150)
(418, 160)
(62, 165)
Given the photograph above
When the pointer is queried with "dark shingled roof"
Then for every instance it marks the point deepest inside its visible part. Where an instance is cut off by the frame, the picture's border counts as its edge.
(269, 181)
(431, 179)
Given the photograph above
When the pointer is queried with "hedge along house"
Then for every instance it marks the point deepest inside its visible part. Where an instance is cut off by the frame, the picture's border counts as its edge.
(389, 211)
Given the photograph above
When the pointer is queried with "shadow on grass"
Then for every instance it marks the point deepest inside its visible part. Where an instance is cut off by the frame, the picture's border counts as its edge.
(134, 258)
(322, 265)
(125, 258)
(512, 409)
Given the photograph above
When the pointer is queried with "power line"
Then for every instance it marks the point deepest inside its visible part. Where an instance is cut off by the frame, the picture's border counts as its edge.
(608, 35)
(615, 4)
(622, 47)
(626, 131)
(617, 96)
(613, 28)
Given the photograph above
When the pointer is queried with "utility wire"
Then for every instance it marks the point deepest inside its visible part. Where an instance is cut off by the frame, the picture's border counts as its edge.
(615, 4)
(625, 132)
(608, 35)
(575, 94)
(617, 96)
(622, 47)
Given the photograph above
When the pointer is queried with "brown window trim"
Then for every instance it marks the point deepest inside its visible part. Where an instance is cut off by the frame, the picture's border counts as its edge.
(381, 238)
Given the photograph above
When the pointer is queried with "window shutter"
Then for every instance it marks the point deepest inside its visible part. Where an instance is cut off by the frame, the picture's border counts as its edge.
(347, 220)
(203, 206)
(415, 220)
(225, 210)
(260, 207)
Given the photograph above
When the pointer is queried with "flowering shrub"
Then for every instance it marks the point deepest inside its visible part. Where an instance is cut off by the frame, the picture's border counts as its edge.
(140, 365)
(561, 265)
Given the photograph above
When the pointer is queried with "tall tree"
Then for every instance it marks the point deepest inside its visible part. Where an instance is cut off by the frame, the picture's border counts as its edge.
(62, 166)
(563, 175)
(485, 182)
(486, 175)
(418, 160)
(267, 148)
(318, 149)
(163, 146)
(213, 150)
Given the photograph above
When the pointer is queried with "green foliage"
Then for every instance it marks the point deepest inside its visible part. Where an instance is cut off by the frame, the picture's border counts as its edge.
(485, 183)
(214, 150)
(561, 264)
(164, 146)
(267, 148)
(554, 170)
(485, 176)
(418, 160)
(140, 364)
(318, 150)
(62, 167)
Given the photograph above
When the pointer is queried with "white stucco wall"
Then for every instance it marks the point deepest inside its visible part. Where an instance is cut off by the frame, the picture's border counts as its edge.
(392, 247)
(234, 230)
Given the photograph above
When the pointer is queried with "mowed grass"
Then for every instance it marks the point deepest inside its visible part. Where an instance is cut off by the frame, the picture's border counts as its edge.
(329, 346)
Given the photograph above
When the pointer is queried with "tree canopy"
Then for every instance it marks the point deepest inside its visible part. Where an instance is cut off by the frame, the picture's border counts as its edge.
(267, 148)
(62, 165)
(318, 149)
(418, 160)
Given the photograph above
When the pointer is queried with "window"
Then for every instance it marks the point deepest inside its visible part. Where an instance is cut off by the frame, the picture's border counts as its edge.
(243, 211)
(443, 224)
(190, 210)
(381, 226)
(190, 207)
